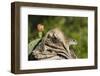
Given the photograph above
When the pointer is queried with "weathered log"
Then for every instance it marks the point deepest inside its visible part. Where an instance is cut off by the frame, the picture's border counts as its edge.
(54, 45)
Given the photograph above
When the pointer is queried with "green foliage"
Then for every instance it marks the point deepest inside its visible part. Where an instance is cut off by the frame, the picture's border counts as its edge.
(73, 27)
(32, 44)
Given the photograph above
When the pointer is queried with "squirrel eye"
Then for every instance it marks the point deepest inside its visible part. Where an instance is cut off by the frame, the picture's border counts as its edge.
(73, 40)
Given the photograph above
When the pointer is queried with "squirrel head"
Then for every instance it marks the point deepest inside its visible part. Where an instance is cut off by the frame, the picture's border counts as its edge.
(72, 42)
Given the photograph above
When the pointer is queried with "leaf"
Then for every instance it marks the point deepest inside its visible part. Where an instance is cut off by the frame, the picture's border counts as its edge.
(32, 44)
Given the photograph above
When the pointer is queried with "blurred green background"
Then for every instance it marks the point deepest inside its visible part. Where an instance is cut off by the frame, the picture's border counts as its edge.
(72, 27)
